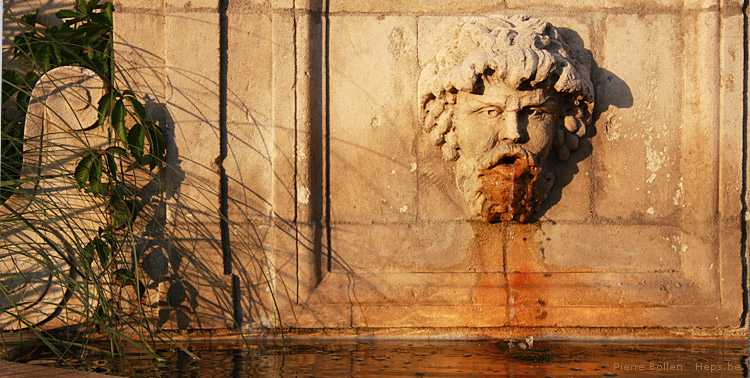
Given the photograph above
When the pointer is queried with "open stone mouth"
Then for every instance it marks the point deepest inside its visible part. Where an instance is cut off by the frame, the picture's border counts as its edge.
(507, 163)
(507, 160)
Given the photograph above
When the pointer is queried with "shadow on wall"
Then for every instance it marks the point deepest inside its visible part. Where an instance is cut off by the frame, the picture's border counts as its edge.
(610, 91)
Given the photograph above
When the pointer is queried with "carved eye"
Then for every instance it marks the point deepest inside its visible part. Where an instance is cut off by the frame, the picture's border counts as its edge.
(536, 112)
(491, 112)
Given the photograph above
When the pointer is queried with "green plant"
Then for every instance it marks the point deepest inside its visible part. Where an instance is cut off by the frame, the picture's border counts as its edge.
(95, 270)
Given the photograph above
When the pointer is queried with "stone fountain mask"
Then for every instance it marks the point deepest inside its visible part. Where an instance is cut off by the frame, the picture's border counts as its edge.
(499, 99)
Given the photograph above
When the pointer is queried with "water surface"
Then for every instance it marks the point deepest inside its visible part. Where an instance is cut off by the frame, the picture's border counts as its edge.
(435, 359)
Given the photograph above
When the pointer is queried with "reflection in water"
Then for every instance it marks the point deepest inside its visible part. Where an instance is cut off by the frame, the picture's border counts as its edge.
(439, 359)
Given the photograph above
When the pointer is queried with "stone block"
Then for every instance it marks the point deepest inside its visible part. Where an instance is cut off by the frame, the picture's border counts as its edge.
(559, 247)
(637, 146)
(193, 67)
(283, 131)
(439, 198)
(282, 4)
(730, 137)
(606, 289)
(429, 316)
(193, 4)
(249, 6)
(140, 58)
(701, 117)
(613, 317)
(595, 5)
(423, 247)
(700, 254)
(192, 176)
(121, 5)
(195, 292)
(702, 4)
(249, 147)
(730, 206)
(419, 6)
(411, 289)
(570, 197)
(373, 115)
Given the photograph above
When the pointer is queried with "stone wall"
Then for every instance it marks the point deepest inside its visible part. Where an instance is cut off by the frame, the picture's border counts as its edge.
(299, 167)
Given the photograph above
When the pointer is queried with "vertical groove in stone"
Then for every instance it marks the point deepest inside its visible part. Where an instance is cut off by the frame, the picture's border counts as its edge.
(237, 301)
(744, 194)
(223, 180)
(327, 131)
(295, 220)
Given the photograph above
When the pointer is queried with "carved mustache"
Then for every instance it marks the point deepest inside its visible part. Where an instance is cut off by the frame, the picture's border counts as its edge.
(506, 154)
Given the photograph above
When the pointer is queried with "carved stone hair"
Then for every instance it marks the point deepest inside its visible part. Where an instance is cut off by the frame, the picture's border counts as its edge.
(525, 53)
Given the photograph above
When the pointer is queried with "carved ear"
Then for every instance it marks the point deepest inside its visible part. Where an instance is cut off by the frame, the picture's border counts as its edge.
(559, 137)
(563, 153)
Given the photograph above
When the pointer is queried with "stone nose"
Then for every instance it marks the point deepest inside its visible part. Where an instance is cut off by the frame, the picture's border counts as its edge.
(510, 127)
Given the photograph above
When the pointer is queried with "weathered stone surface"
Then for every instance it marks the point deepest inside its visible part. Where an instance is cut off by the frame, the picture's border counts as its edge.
(436, 247)
(192, 4)
(249, 143)
(596, 4)
(557, 247)
(439, 198)
(193, 106)
(613, 317)
(121, 5)
(411, 289)
(196, 294)
(141, 58)
(429, 316)
(731, 156)
(372, 119)
(426, 6)
(588, 289)
(637, 148)
(640, 230)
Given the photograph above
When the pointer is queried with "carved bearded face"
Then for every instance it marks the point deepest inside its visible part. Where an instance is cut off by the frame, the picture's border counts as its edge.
(505, 135)
(498, 100)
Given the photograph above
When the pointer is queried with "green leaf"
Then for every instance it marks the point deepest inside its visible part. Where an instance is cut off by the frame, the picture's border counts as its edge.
(83, 7)
(136, 140)
(111, 166)
(101, 19)
(140, 110)
(103, 251)
(83, 170)
(108, 9)
(117, 150)
(118, 121)
(12, 82)
(31, 78)
(30, 18)
(105, 103)
(95, 175)
(121, 212)
(66, 13)
(86, 255)
(122, 276)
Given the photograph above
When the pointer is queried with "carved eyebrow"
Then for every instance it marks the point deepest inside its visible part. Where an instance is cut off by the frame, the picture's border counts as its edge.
(549, 103)
(476, 102)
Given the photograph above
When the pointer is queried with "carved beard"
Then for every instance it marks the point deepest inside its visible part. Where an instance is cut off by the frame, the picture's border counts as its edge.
(506, 183)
